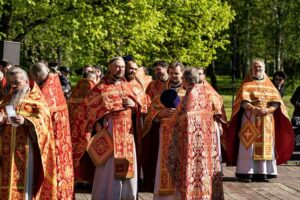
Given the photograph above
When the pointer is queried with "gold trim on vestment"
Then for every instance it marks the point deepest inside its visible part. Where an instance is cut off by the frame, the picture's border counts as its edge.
(13, 144)
(58, 108)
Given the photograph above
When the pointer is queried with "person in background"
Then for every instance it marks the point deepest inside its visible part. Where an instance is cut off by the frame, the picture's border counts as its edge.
(86, 70)
(98, 73)
(150, 137)
(295, 100)
(138, 81)
(84, 173)
(1, 88)
(279, 78)
(5, 65)
(260, 135)
(49, 84)
(53, 66)
(64, 80)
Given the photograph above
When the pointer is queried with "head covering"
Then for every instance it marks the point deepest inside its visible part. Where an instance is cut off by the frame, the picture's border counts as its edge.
(169, 98)
(128, 58)
(65, 69)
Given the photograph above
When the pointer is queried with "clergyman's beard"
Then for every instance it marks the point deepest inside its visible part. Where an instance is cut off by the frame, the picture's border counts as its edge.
(117, 77)
(18, 95)
(130, 76)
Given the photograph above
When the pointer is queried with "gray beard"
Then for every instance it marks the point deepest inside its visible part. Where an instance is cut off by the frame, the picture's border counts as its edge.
(18, 96)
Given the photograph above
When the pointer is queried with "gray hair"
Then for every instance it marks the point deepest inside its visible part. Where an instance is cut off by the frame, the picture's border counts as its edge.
(114, 60)
(256, 60)
(191, 75)
(16, 70)
(39, 70)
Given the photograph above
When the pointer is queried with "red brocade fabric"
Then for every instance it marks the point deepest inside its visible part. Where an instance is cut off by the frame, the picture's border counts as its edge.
(193, 158)
(106, 100)
(85, 171)
(54, 96)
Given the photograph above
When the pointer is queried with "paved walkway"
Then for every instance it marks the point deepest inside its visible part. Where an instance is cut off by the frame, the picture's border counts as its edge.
(285, 187)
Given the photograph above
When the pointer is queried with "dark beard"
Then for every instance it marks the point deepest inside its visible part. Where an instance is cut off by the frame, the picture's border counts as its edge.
(116, 77)
(130, 77)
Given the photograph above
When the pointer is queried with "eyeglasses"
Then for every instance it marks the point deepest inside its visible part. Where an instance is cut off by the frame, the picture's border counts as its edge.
(278, 79)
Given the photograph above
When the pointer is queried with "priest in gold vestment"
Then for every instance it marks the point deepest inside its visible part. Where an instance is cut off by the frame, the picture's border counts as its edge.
(260, 135)
(27, 147)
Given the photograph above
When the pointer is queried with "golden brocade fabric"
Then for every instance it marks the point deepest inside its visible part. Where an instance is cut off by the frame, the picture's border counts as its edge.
(105, 100)
(259, 132)
(14, 150)
(100, 147)
(248, 133)
(154, 90)
(166, 185)
(140, 94)
(260, 93)
(54, 96)
(139, 86)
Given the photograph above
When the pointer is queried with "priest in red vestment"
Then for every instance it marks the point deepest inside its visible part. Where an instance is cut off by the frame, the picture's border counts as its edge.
(150, 141)
(193, 158)
(260, 135)
(138, 81)
(27, 143)
(5, 65)
(84, 173)
(51, 88)
(105, 114)
(163, 186)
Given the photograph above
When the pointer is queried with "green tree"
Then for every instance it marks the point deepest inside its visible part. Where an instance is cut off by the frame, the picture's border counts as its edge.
(92, 31)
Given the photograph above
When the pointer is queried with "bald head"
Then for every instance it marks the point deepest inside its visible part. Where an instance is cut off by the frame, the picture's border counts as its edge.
(38, 72)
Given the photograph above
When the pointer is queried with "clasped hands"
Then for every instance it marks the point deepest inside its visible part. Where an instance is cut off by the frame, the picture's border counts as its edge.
(260, 111)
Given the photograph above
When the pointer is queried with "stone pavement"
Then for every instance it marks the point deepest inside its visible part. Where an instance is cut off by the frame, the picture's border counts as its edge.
(285, 187)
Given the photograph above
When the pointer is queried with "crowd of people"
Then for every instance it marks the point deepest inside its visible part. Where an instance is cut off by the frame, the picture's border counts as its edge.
(126, 133)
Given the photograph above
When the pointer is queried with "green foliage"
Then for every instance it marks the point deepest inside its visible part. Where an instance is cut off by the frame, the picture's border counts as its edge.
(92, 31)
(268, 29)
